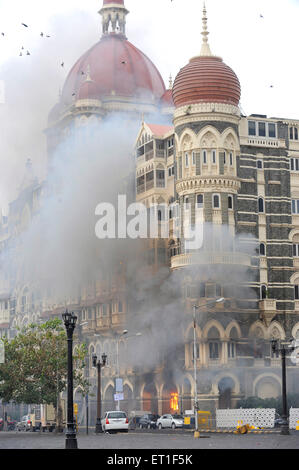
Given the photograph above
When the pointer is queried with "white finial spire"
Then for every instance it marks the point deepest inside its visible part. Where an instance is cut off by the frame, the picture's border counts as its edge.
(205, 48)
(170, 82)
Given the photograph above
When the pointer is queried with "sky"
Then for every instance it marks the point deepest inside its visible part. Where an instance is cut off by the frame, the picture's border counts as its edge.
(258, 39)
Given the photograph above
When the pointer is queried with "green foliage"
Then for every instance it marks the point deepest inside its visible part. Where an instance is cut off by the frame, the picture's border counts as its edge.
(256, 402)
(35, 368)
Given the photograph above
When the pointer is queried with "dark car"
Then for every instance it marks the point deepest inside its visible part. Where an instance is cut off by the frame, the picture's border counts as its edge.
(278, 421)
(148, 421)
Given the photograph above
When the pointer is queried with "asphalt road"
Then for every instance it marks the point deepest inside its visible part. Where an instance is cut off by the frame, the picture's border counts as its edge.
(150, 440)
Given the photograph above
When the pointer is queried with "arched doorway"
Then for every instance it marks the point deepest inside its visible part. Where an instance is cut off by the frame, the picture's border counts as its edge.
(170, 403)
(150, 399)
(109, 404)
(225, 387)
(126, 405)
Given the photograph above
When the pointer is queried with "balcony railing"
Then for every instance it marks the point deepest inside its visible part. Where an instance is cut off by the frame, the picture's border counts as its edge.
(207, 258)
(160, 153)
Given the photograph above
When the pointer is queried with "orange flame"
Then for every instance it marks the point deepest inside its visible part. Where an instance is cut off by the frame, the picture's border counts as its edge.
(174, 401)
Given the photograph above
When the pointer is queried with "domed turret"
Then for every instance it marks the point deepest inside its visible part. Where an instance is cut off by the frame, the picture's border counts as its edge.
(206, 79)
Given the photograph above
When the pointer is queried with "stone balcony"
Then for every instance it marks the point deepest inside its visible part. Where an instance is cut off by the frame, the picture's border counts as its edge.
(210, 258)
(268, 305)
(267, 310)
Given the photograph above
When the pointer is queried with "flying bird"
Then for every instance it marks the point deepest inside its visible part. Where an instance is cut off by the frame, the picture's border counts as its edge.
(261, 16)
(62, 64)
(2, 34)
(26, 25)
(28, 53)
(42, 34)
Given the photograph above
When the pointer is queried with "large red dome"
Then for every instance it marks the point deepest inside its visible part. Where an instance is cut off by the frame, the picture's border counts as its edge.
(206, 79)
(116, 68)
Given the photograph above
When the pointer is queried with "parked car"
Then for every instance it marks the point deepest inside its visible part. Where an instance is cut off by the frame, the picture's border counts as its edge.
(278, 421)
(134, 422)
(1, 424)
(148, 421)
(25, 424)
(114, 421)
(170, 421)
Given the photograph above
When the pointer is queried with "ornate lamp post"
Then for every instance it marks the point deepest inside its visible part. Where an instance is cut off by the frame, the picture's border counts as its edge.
(284, 350)
(197, 307)
(99, 365)
(70, 325)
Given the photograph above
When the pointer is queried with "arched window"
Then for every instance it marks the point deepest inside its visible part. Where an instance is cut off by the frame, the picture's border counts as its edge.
(261, 205)
(186, 160)
(263, 292)
(230, 202)
(214, 343)
(231, 345)
(202, 289)
(216, 201)
(260, 164)
(262, 249)
(204, 156)
(295, 241)
(214, 155)
(199, 200)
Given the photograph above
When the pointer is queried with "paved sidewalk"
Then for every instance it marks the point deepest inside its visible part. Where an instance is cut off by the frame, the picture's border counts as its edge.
(151, 440)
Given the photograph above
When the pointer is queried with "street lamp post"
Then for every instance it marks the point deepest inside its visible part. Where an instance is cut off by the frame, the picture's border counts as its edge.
(197, 307)
(99, 365)
(284, 351)
(70, 325)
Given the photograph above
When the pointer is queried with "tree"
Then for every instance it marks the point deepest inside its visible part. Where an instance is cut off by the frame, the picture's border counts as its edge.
(35, 368)
(256, 402)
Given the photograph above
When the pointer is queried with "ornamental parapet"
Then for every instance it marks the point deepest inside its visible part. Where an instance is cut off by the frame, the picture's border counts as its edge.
(208, 258)
(212, 183)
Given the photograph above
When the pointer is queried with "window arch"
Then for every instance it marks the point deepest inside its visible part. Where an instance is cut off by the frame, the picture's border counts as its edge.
(295, 240)
(261, 205)
(263, 292)
(231, 345)
(214, 343)
(216, 201)
(262, 249)
(296, 289)
(199, 201)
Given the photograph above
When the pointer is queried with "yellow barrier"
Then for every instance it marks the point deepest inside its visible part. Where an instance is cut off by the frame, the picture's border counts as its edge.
(297, 427)
(204, 419)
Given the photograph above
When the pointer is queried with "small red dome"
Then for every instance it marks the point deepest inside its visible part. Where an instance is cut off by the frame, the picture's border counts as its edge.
(117, 68)
(206, 79)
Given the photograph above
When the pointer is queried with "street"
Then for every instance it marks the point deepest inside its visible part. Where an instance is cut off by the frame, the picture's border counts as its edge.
(165, 439)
